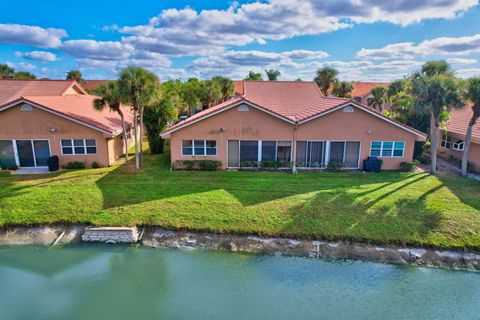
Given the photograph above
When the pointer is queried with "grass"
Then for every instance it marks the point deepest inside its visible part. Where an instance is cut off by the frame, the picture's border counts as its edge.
(390, 207)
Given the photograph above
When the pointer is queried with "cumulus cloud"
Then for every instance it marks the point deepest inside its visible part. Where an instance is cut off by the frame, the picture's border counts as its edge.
(190, 32)
(31, 35)
(438, 46)
(20, 65)
(461, 61)
(98, 50)
(37, 55)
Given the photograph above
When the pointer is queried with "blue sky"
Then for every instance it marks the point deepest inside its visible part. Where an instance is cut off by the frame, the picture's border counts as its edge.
(373, 40)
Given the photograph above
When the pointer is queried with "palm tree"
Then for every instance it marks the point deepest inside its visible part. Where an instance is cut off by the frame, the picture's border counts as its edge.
(6, 72)
(472, 94)
(379, 98)
(75, 75)
(110, 96)
(226, 87)
(437, 94)
(254, 76)
(157, 118)
(342, 89)
(273, 74)
(210, 93)
(436, 67)
(325, 78)
(190, 94)
(140, 88)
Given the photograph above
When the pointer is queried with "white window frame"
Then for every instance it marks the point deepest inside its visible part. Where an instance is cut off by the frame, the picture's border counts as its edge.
(259, 153)
(327, 160)
(204, 149)
(393, 149)
(84, 146)
(446, 139)
(17, 158)
(458, 142)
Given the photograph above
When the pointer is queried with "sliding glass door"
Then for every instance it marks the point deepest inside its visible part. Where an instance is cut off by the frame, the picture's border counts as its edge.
(33, 153)
(345, 152)
(254, 153)
(7, 154)
(311, 154)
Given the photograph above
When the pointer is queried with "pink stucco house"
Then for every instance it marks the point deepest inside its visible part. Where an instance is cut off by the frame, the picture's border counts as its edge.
(452, 140)
(291, 123)
(41, 118)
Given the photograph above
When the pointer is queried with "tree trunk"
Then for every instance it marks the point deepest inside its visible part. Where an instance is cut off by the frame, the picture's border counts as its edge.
(434, 143)
(135, 126)
(141, 135)
(466, 148)
(124, 135)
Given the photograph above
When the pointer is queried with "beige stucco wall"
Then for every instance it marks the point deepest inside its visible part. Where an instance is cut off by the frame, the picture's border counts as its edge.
(116, 147)
(473, 155)
(36, 124)
(258, 125)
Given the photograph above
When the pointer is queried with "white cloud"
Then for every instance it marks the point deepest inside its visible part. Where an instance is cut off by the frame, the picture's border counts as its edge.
(98, 50)
(31, 35)
(37, 55)
(20, 65)
(190, 32)
(438, 46)
(467, 73)
(461, 61)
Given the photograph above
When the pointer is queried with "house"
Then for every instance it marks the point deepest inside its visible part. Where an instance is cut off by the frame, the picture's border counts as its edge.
(91, 85)
(293, 124)
(361, 91)
(452, 139)
(41, 118)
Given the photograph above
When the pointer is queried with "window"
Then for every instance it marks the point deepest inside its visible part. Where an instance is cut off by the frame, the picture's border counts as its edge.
(311, 154)
(284, 151)
(199, 147)
(243, 109)
(26, 107)
(387, 149)
(458, 145)
(78, 146)
(269, 150)
(246, 153)
(446, 142)
(348, 109)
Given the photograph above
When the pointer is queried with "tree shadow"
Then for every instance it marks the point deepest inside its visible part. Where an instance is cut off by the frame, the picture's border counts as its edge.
(123, 186)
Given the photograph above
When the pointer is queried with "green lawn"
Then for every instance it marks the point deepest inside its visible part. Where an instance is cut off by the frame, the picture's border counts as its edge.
(391, 207)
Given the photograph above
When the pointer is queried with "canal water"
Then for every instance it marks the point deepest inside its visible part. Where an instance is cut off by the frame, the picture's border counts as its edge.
(111, 282)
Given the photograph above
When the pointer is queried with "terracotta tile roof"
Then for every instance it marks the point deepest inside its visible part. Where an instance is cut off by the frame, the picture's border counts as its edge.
(12, 89)
(93, 84)
(80, 108)
(364, 88)
(458, 123)
(292, 101)
(239, 89)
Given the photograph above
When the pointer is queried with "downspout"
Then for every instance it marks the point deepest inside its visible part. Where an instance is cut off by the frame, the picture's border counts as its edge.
(294, 148)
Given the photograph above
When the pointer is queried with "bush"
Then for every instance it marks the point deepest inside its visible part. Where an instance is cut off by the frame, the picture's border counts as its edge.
(248, 164)
(95, 165)
(204, 165)
(419, 149)
(335, 166)
(270, 164)
(209, 165)
(74, 165)
(11, 168)
(410, 165)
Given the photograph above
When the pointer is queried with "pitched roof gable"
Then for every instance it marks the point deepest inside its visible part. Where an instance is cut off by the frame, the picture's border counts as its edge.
(291, 101)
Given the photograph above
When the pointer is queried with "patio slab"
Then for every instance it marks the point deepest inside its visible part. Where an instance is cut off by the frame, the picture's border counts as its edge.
(30, 171)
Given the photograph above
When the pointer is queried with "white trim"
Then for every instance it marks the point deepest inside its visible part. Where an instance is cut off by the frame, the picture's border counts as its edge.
(376, 114)
(458, 142)
(222, 110)
(204, 148)
(73, 147)
(17, 157)
(8, 106)
(393, 149)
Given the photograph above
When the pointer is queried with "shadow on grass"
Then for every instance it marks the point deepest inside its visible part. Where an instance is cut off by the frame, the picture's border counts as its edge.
(155, 182)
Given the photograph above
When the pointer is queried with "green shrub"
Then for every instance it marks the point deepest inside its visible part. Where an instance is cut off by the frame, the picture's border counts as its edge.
(204, 165)
(335, 166)
(248, 164)
(74, 165)
(269, 164)
(410, 165)
(11, 168)
(95, 165)
(209, 165)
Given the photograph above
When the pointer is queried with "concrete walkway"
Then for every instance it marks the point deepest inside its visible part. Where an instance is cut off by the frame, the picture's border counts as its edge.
(450, 168)
(30, 171)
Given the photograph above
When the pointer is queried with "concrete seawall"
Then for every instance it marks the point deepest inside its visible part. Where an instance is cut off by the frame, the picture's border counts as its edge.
(162, 238)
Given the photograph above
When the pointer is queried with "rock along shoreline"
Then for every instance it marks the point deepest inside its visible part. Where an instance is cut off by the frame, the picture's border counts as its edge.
(163, 238)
